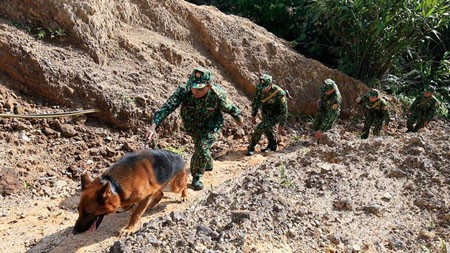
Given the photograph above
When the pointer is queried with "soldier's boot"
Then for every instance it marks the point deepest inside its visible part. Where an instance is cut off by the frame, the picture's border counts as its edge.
(271, 147)
(209, 165)
(197, 183)
(364, 135)
(250, 151)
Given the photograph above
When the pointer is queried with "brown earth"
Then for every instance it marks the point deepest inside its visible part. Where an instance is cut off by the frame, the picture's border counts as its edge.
(388, 194)
(126, 57)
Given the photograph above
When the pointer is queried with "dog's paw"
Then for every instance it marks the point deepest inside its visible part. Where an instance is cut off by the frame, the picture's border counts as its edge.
(184, 199)
(126, 231)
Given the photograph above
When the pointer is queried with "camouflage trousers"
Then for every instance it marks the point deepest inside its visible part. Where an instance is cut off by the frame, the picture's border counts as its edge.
(201, 159)
(377, 123)
(324, 121)
(415, 118)
(266, 127)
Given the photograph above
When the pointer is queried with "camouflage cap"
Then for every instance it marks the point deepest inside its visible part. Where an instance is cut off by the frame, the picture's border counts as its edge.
(205, 79)
(374, 93)
(267, 79)
(328, 84)
(430, 89)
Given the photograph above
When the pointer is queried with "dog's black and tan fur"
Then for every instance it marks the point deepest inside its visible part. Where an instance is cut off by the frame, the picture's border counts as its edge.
(138, 179)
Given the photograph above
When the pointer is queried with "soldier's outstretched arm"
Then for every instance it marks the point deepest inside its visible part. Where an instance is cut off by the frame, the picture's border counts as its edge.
(284, 111)
(256, 102)
(230, 108)
(169, 106)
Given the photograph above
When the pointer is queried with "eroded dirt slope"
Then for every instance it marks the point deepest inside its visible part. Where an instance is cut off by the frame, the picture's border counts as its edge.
(126, 57)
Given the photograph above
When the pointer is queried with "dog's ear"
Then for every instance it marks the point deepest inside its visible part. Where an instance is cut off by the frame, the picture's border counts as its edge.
(85, 181)
(104, 193)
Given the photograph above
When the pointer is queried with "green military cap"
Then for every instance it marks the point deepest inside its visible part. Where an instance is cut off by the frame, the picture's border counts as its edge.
(205, 80)
(374, 93)
(328, 84)
(267, 79)
(430, 89)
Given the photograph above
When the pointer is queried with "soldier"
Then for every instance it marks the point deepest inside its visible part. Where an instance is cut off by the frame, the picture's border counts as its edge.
(376, 114)
(422, 110)
(272, 100)
(202, 103)
(329, 107)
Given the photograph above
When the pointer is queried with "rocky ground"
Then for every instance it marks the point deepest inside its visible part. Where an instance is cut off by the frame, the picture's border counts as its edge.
(385, 194)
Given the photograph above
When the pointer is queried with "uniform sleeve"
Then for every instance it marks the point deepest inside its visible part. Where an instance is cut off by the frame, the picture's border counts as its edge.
(230, 108)
(169, 106)
(413, 106)
(256, 102)
(385, 112)
(284, 108)
(432, 109)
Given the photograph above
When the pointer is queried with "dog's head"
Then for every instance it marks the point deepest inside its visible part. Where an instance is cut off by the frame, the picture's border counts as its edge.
(97, 200)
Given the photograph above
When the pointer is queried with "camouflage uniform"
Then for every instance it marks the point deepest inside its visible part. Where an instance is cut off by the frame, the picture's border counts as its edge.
(274, 111)
(422, 110)
(202, 118)
(329, 107)
(377, 113)
(364, 102)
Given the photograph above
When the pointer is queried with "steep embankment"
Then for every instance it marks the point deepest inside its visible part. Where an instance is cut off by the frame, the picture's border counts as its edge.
(126, 57)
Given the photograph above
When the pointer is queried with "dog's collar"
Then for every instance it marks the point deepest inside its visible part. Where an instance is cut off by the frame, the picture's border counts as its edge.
(115, 186)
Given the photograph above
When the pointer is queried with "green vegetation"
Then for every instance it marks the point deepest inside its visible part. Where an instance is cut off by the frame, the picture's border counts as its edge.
(404, 45)
(180, 150)
(284, 180)
(40, 32)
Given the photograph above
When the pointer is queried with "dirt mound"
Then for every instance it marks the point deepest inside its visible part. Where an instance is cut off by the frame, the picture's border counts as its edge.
(346, 198)
(126, 57)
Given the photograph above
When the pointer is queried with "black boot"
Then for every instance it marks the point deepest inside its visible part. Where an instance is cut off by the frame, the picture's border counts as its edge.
(271, 147)
(196, 183)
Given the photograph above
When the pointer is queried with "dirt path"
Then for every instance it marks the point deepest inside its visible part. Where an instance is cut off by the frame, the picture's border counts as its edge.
(44, 224)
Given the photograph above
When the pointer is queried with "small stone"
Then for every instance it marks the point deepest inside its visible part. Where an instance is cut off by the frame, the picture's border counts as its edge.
(373, 209)
(67, 130)
(240, 216)
(335, 238)
(397, 173)
(427, 235)
(395, 244)
(342, 205)
(22, 136)
(386, 196)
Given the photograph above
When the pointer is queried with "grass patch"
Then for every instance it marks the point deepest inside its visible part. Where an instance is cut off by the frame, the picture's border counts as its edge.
(284, 180)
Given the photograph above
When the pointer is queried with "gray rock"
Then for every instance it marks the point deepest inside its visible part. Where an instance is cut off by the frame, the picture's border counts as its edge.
(9, 181)
(67, 130)
(240, 216)
(397, 173)
(374, 209)
(343, 205)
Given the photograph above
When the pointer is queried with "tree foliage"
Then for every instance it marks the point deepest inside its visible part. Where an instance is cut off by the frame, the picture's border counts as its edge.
(402, 44)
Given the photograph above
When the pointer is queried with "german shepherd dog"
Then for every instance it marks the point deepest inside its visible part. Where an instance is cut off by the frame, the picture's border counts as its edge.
(138, 178)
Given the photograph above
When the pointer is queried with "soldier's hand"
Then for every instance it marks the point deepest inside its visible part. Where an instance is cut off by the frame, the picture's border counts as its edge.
(385, 128)
(280, 130)
(151, 133)
(425, 124)
(253, 120)
(318, 134)
(239, 122)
